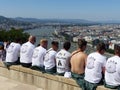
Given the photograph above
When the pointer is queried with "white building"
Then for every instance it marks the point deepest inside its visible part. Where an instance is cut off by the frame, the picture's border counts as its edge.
(112, 44)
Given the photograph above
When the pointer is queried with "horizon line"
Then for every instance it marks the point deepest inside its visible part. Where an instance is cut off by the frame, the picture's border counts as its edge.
(63, 18)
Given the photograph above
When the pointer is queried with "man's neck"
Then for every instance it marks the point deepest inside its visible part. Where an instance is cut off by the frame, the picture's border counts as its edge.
(80, 50)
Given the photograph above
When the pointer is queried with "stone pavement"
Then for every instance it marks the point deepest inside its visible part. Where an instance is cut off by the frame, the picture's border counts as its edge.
(8, 84)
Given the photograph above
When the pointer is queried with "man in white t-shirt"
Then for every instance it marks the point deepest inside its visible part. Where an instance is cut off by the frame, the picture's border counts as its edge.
(95, 67)
(13, 53)
(38, 56)
(26, 52)
(49, 60)
(63, 59)
(112, 72)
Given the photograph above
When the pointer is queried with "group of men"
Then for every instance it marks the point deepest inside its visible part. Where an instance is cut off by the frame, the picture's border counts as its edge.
(39, 58)
(89, 71)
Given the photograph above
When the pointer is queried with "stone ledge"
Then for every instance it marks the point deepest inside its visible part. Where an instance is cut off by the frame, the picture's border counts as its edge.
(40, 74)
(42, 80)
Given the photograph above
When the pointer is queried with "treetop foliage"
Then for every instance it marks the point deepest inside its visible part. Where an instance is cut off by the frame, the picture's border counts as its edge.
(13, 34)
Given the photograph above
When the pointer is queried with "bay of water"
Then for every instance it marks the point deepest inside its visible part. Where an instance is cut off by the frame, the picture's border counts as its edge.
(46, 32)
(41, 33)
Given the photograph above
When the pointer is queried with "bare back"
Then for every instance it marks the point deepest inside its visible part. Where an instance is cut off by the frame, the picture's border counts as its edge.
(78, 62)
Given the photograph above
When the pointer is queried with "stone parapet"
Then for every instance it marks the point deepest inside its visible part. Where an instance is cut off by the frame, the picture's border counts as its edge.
(39, 79)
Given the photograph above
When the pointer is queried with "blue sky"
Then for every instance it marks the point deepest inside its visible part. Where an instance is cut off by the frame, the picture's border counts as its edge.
(62, 9)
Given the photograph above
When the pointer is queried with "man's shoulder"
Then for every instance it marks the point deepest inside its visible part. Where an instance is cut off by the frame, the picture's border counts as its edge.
(58, 53)
(114, 58)
(24, 43)
(66, 52)
(75, 52)
(81, 54)
(18, 45)
(28, 44)
(41, 49)
(51, 51)
(96, 54)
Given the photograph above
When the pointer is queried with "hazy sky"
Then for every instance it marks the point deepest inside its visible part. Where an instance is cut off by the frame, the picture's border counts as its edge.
(62, 9)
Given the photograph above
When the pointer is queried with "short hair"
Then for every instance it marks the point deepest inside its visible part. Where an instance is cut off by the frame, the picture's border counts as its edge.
(43, 41)
(55, 43)
(101, 46)
(32, 39)
(66, 45)
(81, 43)
(17, 40)
(117, 48)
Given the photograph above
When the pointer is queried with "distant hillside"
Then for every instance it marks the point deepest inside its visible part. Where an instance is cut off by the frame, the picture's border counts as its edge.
(21, 21)
(27, 19)
(10, 21)
(69, 21)
(110, 21)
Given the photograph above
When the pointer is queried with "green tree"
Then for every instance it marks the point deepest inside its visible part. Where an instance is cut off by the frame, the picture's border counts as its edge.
(13, 34)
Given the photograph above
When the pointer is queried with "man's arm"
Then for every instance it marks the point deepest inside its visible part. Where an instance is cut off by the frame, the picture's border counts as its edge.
(103, 70)
(85, 57)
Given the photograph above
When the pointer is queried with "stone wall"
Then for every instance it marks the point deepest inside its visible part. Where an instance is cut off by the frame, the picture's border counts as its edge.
(39, 79)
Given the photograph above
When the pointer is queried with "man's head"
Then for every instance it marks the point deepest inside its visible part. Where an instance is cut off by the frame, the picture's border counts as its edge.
(18, 40)
(32, 39)
(101, 48)
(44, 43)
(66, 45)
(82, 44)
(55, 45)
(117, 49)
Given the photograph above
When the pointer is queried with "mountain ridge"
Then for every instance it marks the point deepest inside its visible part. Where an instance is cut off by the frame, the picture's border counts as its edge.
(20, 20)
(54, 20)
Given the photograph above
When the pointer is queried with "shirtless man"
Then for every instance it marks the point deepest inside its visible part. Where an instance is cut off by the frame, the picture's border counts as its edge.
(78, 60)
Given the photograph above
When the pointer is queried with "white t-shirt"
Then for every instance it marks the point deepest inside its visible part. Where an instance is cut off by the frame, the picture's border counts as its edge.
(112, 73)
(26, 52)
(49, 60)
(13, 52)
(38, 56)
(63, 61)
(93, 70)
